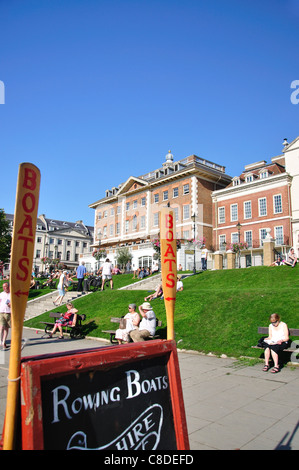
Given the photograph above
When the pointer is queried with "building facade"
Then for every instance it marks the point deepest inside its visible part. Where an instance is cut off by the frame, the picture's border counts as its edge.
(291, 155)
(255, 204)
(128, 215)
(59, 240)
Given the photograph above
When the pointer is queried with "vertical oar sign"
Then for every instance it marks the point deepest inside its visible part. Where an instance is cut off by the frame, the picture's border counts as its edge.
(168, 250)
(20, 275)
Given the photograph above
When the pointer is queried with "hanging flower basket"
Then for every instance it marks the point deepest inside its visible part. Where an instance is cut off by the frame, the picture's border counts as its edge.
(193, 242)
(99, 253)
(237, 247)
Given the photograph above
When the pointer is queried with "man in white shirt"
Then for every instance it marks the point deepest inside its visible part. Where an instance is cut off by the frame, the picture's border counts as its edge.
(147, 326)
(5, 315)
(106, 271)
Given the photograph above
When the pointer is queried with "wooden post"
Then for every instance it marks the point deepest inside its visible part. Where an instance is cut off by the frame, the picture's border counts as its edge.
(23, 240)
(168, 252)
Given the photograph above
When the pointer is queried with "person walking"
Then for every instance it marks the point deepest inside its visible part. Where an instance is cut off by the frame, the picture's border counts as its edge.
(5, 315)
(62, 284)
(80, 273)
(106, 271)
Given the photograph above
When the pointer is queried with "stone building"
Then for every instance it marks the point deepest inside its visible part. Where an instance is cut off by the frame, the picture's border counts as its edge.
(58, 239)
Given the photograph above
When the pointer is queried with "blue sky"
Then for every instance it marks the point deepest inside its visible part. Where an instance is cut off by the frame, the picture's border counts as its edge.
(99, 90)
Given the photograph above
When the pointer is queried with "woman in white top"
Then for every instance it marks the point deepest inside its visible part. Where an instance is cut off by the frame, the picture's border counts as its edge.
(277, 341)
(132, 321)
(61, 287)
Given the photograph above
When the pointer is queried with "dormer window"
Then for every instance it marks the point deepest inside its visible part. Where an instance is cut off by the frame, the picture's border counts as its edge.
(236, 181)
(264, 174)
(249, 178)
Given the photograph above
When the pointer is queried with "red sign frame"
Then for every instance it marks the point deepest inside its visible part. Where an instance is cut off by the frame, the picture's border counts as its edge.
(35, 369)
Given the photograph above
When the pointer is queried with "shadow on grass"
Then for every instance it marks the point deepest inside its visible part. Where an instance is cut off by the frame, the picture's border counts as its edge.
(89, 328)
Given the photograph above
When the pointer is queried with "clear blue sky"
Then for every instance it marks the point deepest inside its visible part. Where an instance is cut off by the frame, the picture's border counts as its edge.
(99, 90)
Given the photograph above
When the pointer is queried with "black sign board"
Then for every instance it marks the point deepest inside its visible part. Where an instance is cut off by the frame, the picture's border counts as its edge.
(114, 398)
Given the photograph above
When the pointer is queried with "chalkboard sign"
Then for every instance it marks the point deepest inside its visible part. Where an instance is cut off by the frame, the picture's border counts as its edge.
(113, 398)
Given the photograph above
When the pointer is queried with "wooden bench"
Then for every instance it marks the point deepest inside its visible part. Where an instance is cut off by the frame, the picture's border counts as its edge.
(117, 320)
(74, 331)
(264, 330)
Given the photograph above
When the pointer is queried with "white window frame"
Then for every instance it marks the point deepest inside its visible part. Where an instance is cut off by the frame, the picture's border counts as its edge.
(260, 206)
(156, 219)
(234, 236)
(279, 237)
(248, 238)
(264, 231)
(186, 189)
(186, 211)
(221, 216)
(274, 204)
(245, 217)
(222, 242)
(232, 207)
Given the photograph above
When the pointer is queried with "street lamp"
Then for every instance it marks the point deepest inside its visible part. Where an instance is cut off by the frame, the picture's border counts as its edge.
(193, 217)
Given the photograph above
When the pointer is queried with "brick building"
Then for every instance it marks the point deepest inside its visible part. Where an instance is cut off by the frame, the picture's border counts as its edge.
(254, 204)
(128, 215)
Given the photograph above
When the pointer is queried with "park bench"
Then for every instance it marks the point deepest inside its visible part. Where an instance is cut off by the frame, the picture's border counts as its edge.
(117, 320)
(74, 331)
(263, 330)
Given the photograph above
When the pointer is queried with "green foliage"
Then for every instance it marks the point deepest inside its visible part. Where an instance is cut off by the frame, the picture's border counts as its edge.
(123, 256)
(5, 238)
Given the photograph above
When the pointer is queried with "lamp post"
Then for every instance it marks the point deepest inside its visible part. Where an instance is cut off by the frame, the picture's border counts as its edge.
(239, 240)
(193, 217)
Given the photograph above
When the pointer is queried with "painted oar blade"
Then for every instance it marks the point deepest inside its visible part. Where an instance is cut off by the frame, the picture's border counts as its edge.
(168, 251)
(21, 261)
(23, 240)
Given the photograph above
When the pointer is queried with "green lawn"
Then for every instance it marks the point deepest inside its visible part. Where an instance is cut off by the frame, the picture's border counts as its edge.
(218, 311)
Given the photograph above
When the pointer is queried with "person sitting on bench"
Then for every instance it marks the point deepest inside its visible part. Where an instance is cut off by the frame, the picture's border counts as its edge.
(277, 341)
(132, 321)
(147, 326)
(69, 318)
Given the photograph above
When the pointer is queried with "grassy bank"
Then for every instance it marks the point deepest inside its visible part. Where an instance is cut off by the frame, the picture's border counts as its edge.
(218, 311)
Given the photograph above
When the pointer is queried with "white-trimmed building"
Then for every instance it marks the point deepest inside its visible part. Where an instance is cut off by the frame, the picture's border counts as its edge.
(128, 214)
(59, 239)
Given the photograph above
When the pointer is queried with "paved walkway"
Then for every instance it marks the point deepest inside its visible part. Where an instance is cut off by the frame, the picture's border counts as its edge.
(229, 404)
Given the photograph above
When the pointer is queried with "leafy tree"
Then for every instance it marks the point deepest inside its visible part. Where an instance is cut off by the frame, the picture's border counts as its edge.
(123, 256)
(5, 237)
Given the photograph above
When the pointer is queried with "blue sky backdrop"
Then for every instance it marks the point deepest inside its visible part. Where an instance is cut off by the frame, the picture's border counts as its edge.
(99, 90)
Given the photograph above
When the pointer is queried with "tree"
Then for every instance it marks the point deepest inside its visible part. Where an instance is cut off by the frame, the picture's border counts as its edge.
(123, 256)
(5, 238)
